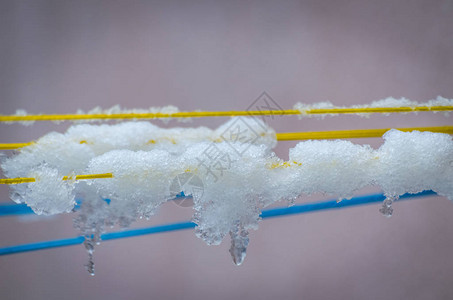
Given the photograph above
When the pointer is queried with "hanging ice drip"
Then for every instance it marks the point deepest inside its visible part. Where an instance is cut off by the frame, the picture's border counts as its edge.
(387, 209)
(239, 242)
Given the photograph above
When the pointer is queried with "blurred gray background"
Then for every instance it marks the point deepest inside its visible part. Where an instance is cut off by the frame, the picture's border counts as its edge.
(58, 56)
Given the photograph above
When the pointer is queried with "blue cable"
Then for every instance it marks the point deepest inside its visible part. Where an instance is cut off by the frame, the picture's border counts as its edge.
(269, 213)
(9, 209)
(333, 204)
(12, 209)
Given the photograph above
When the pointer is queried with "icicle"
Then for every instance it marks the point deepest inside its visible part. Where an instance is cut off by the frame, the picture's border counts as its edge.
(239, 243)
(91, 220)
(387, 209)
(89, 245)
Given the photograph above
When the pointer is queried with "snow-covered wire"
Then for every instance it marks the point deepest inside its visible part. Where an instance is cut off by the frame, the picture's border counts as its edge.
(269, 213)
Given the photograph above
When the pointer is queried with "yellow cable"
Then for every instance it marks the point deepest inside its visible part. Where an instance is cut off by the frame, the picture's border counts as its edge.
(356, 133)
(198, 114)
(77, 177)
(314, 135)
(12, 146)
(89, 176)
(16, 180)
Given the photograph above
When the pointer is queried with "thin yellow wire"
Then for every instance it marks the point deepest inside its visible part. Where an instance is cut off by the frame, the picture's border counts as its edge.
(199, 114)
(313, 135)
(356, 133)
(77, 177)
(12, 146)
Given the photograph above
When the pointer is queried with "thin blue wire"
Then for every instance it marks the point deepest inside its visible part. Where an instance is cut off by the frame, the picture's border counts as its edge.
(7, 209)
(269, 213)
(10, 209)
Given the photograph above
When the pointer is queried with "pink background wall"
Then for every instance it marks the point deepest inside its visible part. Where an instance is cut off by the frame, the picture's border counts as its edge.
(58, 56)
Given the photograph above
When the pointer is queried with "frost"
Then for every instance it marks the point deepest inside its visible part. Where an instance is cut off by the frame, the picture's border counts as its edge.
(334, 167)
(116, 109)
(21, 112)
(387, 102)
(303, 108)
(49, 194)
(415, 161)
(440, 101)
